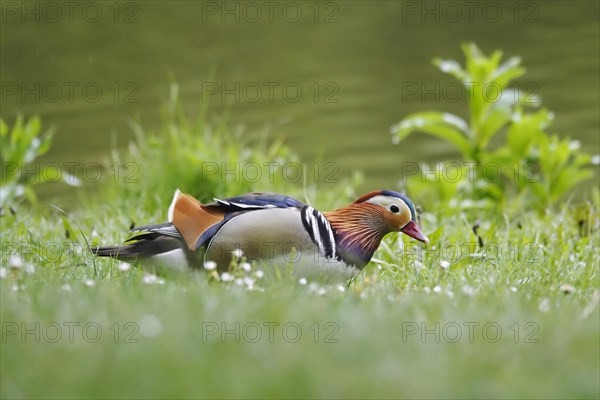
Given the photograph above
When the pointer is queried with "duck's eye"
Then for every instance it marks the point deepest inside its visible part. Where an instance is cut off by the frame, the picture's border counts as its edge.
(394, 208)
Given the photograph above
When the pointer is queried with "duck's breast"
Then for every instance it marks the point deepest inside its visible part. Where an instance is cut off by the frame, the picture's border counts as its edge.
(269, 234)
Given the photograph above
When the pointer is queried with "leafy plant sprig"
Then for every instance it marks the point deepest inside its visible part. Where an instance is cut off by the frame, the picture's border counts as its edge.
(532, 162)
(20, 147)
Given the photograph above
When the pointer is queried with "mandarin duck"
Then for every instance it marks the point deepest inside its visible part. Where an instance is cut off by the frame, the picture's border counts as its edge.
(271, 227)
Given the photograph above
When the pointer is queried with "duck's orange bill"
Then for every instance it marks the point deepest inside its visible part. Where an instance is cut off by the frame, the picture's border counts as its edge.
(412, 230)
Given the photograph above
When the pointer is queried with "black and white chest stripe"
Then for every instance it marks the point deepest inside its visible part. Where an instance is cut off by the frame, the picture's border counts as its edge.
(320, 232)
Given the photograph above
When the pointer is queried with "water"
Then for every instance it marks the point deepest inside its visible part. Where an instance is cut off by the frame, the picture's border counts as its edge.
(354, 63)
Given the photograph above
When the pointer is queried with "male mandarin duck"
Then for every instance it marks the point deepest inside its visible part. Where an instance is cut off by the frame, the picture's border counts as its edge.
(272, 227)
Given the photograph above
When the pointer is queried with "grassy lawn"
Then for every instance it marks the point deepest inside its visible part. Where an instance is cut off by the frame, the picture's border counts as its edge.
(514, 316)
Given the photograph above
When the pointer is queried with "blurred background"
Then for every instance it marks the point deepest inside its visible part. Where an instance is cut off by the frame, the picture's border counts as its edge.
(329, 77)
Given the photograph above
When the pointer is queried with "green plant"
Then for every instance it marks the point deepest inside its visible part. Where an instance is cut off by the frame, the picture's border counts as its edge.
(20, 147)
(208, 159)
(530, 161)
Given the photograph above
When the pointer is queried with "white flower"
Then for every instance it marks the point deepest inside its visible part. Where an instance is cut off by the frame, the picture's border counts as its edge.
(468, 290)
(259, 274)
(249, 282)
(210, 265)
(3, 272)
(341, 288)
(66, 287)
(246, 267)
(567, 289)
(322, 291)
(30, 269)
(226, 277)
(444, 264)
(123, 266)
(237, 253)
(89, 282)
(15, 261)
(544, 305)
(150, 279)
(302, 281)
(437, 289)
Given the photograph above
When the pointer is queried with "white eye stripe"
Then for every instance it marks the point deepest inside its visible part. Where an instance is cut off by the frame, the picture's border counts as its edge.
(389, 202)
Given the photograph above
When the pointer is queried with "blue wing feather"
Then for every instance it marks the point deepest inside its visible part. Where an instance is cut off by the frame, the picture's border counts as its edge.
(256, 201)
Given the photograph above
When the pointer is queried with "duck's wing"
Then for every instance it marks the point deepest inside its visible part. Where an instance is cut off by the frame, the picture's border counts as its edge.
(198, 223)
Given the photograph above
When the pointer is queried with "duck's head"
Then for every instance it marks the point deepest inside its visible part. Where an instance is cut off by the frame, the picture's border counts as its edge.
(396, 211)
(361, 226)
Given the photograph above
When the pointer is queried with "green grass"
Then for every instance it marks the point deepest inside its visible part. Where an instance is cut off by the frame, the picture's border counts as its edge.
(526, 305)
